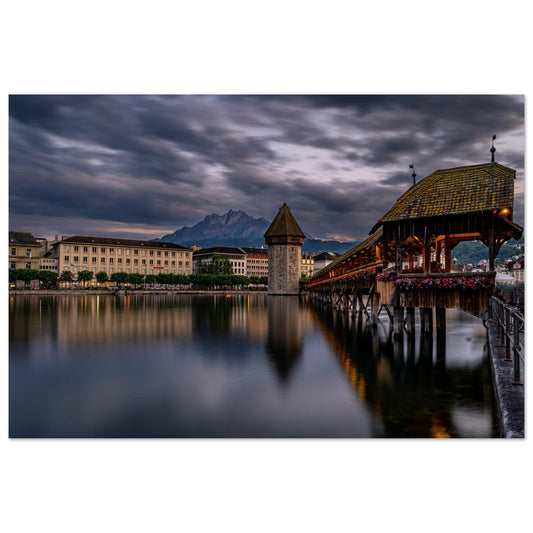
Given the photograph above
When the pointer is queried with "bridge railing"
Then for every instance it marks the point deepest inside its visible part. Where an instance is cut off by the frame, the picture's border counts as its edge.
(510, 322)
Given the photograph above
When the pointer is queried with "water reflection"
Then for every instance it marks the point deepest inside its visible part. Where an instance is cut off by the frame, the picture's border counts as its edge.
(284, 342)
(240, 366)
(413, 396)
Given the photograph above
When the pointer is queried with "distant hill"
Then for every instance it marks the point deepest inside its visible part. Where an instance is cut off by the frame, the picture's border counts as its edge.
(236, 228)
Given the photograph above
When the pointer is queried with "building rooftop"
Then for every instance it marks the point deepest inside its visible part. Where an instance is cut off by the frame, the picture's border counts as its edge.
(79, 239)
(456, 191)
(220, 250)
(284, 224)
(20, 237)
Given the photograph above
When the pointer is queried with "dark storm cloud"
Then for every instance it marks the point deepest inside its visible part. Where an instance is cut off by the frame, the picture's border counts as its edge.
(340, 161)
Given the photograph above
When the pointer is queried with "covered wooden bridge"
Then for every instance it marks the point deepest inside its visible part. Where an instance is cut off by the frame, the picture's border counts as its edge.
(406, 261)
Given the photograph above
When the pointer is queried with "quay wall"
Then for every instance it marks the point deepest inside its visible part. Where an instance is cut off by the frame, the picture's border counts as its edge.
(107, 292)
(509, 398)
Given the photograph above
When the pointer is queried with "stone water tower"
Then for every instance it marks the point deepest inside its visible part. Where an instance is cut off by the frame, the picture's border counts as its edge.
(284, 238)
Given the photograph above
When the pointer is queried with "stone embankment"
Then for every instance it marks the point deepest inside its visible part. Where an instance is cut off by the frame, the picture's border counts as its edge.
(111, 292)
(509, 397)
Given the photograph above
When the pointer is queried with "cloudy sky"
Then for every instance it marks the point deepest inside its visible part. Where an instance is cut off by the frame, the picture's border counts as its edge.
(143, 166)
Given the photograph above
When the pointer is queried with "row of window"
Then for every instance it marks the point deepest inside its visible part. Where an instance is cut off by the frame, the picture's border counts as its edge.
(27, 253)
(85, 260)
(104, 250)
(143, 271)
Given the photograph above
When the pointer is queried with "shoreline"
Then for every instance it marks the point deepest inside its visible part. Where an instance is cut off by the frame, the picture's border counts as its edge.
(128, 292)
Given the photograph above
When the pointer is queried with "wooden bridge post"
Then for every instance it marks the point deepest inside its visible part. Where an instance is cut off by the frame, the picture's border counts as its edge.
(426, 320)
(410, 312)
(440, 319)
(398, 321)
(375, 309)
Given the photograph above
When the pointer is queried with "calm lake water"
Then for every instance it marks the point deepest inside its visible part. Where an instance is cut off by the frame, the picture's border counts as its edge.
(240, 366)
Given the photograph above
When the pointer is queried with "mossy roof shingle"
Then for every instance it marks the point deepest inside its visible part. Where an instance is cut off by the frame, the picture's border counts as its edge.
(284, 225)
(455, 191)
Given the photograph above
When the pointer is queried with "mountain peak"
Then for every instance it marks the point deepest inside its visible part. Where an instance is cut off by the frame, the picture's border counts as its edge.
(237, 228)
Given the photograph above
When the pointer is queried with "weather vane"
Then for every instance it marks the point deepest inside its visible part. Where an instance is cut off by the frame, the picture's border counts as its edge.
(413, 174)
(492, 150)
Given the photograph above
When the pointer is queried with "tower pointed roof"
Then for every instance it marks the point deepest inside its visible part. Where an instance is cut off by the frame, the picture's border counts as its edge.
(284, 225)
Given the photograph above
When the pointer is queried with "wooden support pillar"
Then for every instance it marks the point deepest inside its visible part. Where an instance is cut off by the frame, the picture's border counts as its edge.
(426, 314)
(375, 309)
(398, 256)
(427, 253)
(438, 249)
(398, 321)
(492, 249)
(440, 319)
(410, 315)
(447, 254)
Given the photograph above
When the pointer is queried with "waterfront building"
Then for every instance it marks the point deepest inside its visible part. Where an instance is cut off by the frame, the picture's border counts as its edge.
(24, 251)
(236, 256)
(323, 259)
(308, 265)
(285, 239)
(112, 255)
(256, 261)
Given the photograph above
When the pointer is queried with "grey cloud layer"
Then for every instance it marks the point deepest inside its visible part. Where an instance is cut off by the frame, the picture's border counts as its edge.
(338, 161)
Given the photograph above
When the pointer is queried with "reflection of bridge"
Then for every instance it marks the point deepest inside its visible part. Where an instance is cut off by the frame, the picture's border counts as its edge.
(409, 390)
(406, 261)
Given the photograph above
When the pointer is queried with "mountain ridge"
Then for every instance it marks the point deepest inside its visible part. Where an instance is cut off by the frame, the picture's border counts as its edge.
(237, 228)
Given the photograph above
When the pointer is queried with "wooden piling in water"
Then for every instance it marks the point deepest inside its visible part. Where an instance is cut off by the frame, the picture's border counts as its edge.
(398, 321)
(410, 315)
(426, 314)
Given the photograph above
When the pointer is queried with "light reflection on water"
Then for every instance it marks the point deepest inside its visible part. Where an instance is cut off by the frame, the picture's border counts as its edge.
(241, 366)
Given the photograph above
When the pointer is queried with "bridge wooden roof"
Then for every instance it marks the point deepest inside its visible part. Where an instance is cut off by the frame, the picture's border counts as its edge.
(374, 239)
(455, 191)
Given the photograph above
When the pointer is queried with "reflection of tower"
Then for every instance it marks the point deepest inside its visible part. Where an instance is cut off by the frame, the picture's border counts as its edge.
(284, 238)
(284, 343)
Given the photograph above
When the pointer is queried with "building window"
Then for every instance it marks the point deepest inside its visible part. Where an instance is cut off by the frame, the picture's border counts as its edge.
(13, 265)
(111, 250)
(151, 261)
(85, 260)
(135, 252)
(135, 261)
(166, 263)
(94, 249)
(94, 259)
(119, 251)
(85, 249)
(102, 250)
(13, 251)
(128, 261)
(66, 249)
(166, 254)
(120, 260)
(143, 261)
(159, 261)
(28, 252)
(28, 265)
(173, 263)
(76, 248)
(67, 258)
(102, 260)
(159, 253)
(76, 258)
(111, 260)
(173, 254)
(151, 252)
